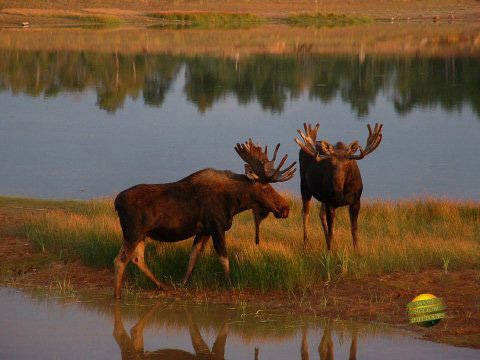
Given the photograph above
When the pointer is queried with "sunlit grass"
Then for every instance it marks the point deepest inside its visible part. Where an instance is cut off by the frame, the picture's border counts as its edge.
(328, 20)
(406, 236)
(96, 19)
(102, 19)
(209, 19)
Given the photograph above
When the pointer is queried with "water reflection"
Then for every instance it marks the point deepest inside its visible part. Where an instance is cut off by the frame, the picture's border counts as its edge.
(43, 327)
(326, 348)
(132, 347)
(270, 80)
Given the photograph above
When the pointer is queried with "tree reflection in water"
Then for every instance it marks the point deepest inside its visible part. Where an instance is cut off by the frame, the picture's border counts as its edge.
(270, 80)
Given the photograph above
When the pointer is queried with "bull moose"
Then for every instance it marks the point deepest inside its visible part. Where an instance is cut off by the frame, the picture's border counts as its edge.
(203, 205)
(331, 175)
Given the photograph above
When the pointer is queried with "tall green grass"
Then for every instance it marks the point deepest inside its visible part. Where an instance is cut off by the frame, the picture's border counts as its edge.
(406, 236)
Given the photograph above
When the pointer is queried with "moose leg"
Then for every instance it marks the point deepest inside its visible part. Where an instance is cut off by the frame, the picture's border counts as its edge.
(219, 244)
(137, 331)
(120, 262)
(353, 346)
(218, 348)
(330, 215)
(323, 219)
(325, 349)
(139, 260)
(304, 348)
(197, 248)
(307, 201)
(258, 215)
(354, 209)
(127, 348)
(199, 345)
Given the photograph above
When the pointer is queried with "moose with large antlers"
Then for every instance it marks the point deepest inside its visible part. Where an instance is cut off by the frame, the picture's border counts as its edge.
(331, 175)
(201, 205)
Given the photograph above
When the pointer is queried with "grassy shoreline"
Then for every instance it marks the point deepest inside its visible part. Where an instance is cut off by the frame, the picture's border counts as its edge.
(14, 12)
(407, 236)
(406, 248)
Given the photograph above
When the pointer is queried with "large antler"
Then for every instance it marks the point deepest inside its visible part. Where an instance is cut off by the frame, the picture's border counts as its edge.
(258, 166)
(373, 141)
(319, 150)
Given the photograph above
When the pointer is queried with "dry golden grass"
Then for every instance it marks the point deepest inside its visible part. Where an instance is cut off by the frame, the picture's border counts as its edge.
(408, 236)
(280, 8)
(84, 17)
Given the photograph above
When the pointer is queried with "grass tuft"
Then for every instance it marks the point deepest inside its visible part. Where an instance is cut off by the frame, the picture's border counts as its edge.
(105, 20)
(208, 19)
(328, 20)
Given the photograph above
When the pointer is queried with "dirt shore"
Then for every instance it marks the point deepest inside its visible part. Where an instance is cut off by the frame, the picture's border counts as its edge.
(380, 299)
(63, 12)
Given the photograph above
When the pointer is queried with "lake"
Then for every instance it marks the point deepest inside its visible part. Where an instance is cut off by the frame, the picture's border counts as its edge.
(44, 326)
(80, 123)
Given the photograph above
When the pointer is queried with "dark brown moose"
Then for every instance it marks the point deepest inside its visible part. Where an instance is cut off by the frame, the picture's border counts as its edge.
(201, 205)
(331, 175)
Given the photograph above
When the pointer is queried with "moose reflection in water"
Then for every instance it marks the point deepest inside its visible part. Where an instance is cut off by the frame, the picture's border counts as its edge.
(202, 205)
(325, 348)
(331, 175)
(270, 80)
(131, 347)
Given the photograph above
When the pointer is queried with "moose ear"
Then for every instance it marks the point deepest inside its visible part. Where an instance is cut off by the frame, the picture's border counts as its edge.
(250, 173)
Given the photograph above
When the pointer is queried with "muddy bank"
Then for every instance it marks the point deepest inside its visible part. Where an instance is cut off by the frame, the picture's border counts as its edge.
(380, 299)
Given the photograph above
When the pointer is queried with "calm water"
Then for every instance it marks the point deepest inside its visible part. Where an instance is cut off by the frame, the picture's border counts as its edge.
(82, 124)
(37, 327)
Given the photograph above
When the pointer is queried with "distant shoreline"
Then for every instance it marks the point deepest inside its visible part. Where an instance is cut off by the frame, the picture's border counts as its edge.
(136, 11)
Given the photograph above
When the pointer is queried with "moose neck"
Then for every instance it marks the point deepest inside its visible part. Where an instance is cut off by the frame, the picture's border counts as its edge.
(241, 194)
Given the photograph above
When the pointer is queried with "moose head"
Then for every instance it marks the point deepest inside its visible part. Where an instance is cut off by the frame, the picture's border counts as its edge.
(262, 171)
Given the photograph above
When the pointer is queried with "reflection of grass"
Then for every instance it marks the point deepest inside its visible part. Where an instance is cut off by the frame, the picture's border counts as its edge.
(395, 39)
(208, 19)
(329, 20)
(405, 236)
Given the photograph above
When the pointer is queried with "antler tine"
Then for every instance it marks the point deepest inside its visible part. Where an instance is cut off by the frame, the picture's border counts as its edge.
(373, 141)
(287, 176)
(280, 164)
(310, 144)
(308, 140)
(287, 173)
(275, 152)
(283, 172)
(258, 167)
